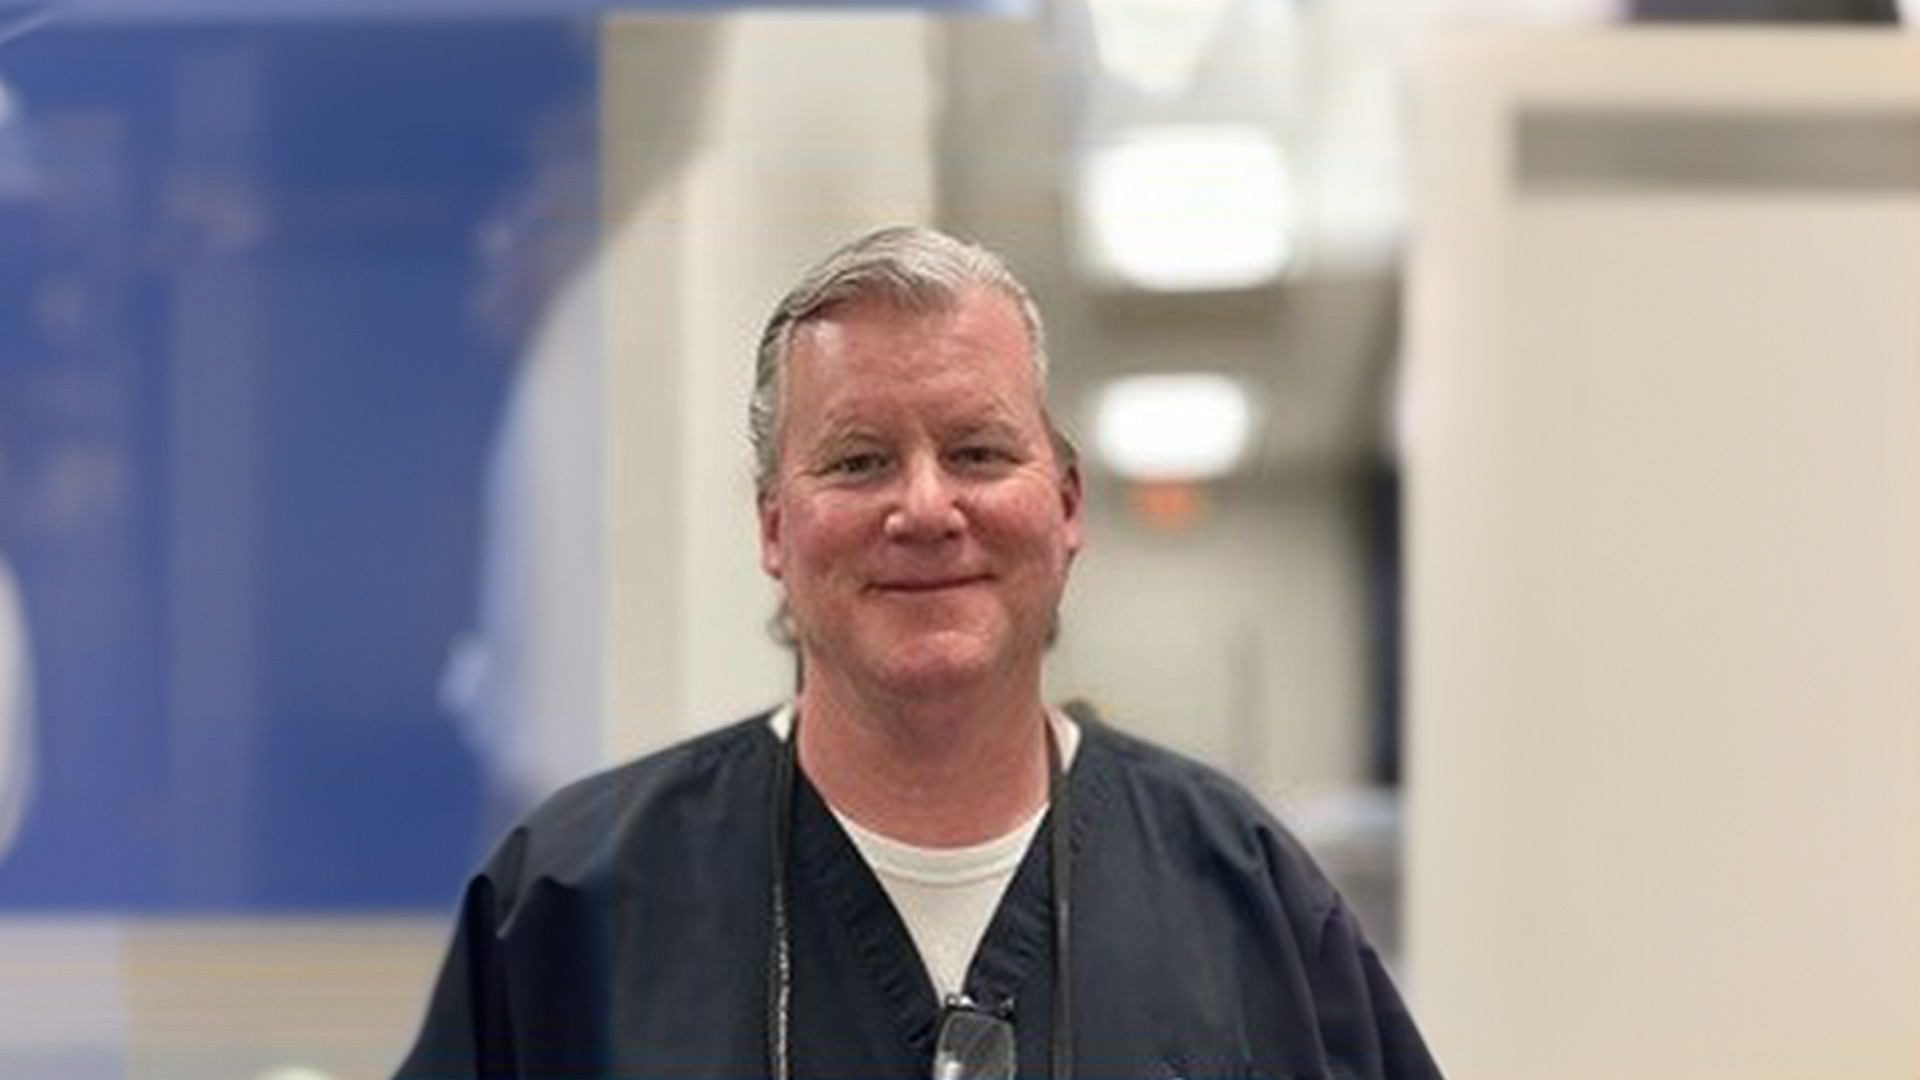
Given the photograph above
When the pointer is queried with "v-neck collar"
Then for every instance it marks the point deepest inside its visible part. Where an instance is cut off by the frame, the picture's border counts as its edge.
(1011, 962)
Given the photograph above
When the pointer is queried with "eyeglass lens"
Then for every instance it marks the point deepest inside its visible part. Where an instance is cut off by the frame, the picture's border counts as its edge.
(973, 1045)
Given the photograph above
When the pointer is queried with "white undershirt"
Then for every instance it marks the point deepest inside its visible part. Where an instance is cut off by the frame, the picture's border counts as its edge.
(947, 896)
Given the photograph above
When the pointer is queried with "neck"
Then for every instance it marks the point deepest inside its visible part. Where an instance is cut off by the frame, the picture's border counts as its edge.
(943, 771)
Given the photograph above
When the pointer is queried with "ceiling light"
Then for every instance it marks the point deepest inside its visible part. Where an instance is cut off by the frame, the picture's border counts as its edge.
(1186, 208)
(1172, 427)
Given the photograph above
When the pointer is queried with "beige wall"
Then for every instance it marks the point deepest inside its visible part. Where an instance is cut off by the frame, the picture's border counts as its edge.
(1239, 641)
(1665, 566)
(166, 999)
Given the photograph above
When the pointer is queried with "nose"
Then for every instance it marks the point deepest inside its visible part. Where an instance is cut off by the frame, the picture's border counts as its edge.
(927, 504)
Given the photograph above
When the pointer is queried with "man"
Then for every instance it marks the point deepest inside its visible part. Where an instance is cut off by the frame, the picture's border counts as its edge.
(874, 881)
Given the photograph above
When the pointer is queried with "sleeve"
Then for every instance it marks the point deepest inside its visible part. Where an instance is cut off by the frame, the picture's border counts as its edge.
(467, 1033)
(1365, 1027)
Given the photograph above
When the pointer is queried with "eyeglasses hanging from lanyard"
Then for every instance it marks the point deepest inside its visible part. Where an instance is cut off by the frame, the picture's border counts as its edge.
(974, 1043)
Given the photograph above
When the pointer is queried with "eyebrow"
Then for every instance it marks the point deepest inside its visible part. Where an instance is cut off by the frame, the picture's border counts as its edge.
(847, 422)
(995, 425)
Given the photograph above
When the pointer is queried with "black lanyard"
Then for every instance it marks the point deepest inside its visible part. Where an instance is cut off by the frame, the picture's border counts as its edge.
(780, 955)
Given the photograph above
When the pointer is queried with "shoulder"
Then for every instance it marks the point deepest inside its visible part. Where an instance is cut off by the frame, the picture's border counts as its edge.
(1200, 819)
(677, 798)
(663, 777)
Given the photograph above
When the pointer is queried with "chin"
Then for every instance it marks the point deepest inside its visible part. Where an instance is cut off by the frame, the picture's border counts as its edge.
(940, 664)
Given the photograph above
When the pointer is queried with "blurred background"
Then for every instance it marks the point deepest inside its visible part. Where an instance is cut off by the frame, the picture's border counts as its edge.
(1503, 434)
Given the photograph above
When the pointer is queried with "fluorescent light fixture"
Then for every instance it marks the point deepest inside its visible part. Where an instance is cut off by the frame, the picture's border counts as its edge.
(1187, 208)
(1172, 427)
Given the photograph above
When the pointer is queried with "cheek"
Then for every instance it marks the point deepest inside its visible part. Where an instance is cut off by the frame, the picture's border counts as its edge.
(821, 538)
(1029, 525)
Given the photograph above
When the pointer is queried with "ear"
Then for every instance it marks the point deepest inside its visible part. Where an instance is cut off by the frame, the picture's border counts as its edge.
(772, 557)
(1071, 502)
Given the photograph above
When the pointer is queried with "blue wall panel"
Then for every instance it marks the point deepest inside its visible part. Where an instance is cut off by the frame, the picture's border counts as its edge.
(246, 394)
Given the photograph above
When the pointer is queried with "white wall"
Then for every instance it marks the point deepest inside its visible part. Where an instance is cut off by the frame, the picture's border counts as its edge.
(1240, 641)
(1664, 471)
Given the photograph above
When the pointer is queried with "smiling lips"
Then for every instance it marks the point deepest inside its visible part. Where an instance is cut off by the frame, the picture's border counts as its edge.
(927, 585)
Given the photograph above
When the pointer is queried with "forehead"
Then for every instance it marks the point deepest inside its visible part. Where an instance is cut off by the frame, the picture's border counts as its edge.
(875, 350)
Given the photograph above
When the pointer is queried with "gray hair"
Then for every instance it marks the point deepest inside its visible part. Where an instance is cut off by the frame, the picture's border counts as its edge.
(912, 268)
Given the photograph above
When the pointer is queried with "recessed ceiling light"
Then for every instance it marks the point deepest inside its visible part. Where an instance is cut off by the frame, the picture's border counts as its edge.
(1173, 426)
(1186, 207)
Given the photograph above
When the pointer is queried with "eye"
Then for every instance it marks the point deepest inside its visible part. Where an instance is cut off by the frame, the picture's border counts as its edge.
(980, 455)
(857, 464)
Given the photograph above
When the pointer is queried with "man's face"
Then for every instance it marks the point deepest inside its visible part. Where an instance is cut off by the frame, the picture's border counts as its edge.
(919, 522)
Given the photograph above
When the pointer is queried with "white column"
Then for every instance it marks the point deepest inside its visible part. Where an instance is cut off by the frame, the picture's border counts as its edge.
(1664, 469)
(808, 130)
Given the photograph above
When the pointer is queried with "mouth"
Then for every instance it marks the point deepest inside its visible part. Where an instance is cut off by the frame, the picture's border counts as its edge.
(915, 586)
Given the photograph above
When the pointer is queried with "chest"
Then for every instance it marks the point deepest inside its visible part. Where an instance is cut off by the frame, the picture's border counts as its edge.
(1171, 977)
